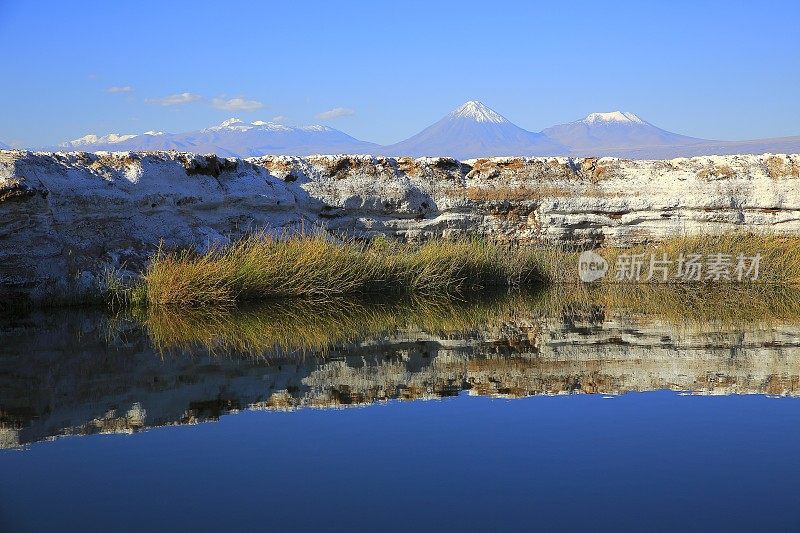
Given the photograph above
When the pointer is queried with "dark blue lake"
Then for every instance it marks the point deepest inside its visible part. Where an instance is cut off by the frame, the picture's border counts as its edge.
(526, 422)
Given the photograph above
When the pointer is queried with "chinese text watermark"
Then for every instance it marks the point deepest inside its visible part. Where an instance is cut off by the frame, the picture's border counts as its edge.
(663, 268)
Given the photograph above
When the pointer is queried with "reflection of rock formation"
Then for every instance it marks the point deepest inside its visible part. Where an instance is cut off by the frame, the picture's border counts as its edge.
(64, 373)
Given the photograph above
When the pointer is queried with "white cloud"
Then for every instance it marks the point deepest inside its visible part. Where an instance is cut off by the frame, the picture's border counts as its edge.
(236, 104)
(280, 119)
(174, 99)
(120, 89)
(336, 112)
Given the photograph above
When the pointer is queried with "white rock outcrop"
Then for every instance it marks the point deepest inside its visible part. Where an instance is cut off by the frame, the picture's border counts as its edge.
(66, 217)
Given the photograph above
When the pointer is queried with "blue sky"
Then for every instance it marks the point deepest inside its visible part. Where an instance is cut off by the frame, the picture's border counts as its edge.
(728, 70)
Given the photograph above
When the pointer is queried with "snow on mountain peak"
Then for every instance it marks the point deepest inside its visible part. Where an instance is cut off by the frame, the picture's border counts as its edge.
(235, 124)
(269, 126)
(316, 127)
(619, 117)
(111, 138)
(86, 139)
(230, 124)
(115, 138)
(478, 112)
(233, 121)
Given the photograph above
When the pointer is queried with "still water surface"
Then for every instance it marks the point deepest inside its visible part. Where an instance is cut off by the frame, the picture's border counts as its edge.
(474, 416)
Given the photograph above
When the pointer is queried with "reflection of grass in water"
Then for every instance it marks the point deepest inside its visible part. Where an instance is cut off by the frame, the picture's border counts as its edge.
(706, 304)
(298, 324)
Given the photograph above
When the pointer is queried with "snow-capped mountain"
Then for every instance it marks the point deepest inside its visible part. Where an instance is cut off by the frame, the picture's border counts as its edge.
(262, 138)
(474, 130)
(602, 133)
(4, 146)
(233, 137)
(624, 134)
(91, 142)
(469, 131)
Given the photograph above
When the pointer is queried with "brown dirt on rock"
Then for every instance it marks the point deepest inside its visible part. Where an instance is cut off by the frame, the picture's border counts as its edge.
(277, 166)
(208, 165)
(714, 172)
(521, 193)
(16, 189)
(779, 167)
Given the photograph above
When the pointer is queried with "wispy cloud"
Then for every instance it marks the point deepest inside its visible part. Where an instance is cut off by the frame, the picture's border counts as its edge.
(120, 89)
(336, 112)
(280, 119)
(236, 104)
(174, 99)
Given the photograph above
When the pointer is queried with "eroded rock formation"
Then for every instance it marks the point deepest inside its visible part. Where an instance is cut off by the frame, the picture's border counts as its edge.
(66, 217)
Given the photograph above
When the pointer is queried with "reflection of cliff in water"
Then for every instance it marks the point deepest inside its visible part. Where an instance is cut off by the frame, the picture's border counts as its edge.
(71, 372)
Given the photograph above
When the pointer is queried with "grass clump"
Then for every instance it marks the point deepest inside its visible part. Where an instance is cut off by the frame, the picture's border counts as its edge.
(185, 277)
(314, 266)
(317, 267)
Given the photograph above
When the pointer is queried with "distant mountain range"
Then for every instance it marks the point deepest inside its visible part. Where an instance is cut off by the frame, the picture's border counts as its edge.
(233, 138)
(472, 130)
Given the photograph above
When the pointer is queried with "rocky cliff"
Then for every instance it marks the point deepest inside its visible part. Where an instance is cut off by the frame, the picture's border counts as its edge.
(66, 217)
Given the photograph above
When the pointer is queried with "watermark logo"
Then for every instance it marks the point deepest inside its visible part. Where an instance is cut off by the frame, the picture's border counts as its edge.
(663, 268)
(591, 266)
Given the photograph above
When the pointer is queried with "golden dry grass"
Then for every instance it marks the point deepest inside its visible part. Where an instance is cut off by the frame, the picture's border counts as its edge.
(316, 267)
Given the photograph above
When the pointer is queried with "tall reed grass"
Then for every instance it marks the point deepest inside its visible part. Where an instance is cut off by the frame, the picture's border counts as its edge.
(316, 267)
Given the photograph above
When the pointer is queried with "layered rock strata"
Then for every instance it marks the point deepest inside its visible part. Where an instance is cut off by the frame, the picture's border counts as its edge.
(65, 218)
